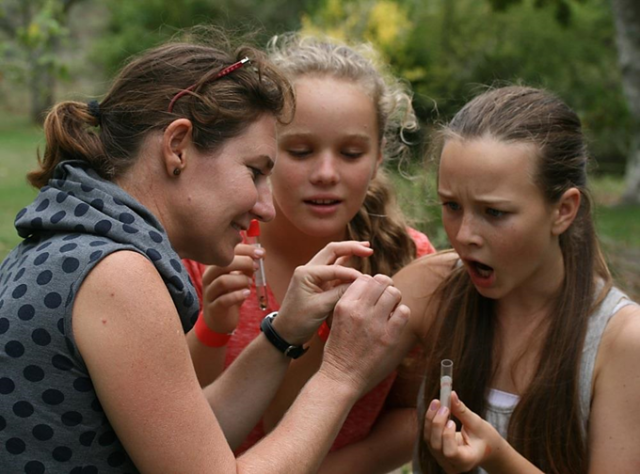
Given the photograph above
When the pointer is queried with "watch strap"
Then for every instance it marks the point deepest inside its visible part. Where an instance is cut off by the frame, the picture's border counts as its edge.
(274, 338)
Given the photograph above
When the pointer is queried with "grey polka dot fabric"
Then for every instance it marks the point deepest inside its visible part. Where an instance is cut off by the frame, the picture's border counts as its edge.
(51, 420)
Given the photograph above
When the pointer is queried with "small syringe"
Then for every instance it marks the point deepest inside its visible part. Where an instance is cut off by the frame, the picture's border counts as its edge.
(446, 382)
(259, 277)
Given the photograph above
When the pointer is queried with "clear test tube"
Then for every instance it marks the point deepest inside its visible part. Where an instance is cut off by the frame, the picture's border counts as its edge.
(446, 382)
(253, 234)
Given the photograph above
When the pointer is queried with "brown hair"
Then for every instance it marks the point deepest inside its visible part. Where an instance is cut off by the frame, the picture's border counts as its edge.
(138, 102)
(380, 219)
(546, 426)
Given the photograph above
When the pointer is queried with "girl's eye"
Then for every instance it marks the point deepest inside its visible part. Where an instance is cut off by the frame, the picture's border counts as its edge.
(495, 212)
(299, 152)
(352, 154)
(452, 206)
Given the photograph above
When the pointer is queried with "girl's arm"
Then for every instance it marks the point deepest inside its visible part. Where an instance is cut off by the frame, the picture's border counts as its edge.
(614, 423)
(221, 291)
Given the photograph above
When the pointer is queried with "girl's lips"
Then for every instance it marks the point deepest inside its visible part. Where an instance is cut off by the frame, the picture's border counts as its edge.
(323, 206)
(481, 275)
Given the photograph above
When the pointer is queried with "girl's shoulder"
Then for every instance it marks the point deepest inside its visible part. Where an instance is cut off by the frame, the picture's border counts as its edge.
(621, 336)
(418, 282)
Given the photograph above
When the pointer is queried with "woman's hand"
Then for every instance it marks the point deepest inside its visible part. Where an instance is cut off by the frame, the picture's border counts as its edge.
(477, 444)
(224, 289)
(314, 290)
(367, 325)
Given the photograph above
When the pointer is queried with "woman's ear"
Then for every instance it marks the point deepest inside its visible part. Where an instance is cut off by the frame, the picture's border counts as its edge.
(566, 210)
(176, 145)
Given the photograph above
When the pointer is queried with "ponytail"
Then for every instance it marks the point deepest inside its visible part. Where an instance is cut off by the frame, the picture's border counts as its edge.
(69, 135)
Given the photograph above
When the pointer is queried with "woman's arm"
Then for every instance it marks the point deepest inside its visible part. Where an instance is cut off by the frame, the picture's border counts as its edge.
(387, 447)
(614, 423)
(390, 443)
(133, 345)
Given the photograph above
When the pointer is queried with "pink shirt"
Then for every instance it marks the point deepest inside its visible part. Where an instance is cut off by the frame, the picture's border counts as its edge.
(364, 413)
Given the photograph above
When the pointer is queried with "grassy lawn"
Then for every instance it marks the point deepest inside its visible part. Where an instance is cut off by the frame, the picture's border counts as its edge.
(18, 145)
(618, 226)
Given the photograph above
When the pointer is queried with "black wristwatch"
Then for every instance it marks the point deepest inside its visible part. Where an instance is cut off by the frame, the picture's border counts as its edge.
(274, 338)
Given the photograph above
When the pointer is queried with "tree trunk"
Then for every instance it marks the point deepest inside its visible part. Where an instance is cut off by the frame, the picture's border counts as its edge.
(627, 20)
(41, 86)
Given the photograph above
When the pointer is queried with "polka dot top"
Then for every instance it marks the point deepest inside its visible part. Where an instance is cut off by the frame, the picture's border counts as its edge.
(51, 420)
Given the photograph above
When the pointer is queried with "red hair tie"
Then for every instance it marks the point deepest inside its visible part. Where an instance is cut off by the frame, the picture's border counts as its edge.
(224, 72)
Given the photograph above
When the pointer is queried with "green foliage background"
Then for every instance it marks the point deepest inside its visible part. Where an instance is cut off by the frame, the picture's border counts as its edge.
(447, 49)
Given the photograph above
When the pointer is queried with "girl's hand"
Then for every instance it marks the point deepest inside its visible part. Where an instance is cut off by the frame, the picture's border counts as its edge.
(314, 290)
(475, 445)
(224, 289)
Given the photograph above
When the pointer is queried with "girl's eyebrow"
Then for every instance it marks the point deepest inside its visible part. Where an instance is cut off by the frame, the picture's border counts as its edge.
(482, 200)
(305, 134)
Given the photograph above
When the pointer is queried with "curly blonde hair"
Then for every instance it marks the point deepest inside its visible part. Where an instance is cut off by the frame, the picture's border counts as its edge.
(379, 219)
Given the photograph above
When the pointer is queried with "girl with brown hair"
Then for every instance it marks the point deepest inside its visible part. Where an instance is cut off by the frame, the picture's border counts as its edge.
(329, 186)
(95, 373)
(545, 349)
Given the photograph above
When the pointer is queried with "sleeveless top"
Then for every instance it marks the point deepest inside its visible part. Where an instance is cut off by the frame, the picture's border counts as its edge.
(500, 405)
(50, 417)
(365, 411)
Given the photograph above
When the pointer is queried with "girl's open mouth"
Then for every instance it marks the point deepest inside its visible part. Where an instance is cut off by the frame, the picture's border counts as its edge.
(483, 270)
(481, 275)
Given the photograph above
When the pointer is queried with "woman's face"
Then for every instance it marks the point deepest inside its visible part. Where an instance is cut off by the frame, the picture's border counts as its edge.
(222, 192)
(326, 157)
(496, 217)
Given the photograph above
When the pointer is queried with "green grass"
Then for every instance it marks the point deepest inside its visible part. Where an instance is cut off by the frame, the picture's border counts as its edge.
(618, 226)
(18, 144)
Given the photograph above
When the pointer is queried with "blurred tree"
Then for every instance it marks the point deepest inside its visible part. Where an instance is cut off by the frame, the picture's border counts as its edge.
(135, 26)
(449, 50)
(31, 32)
(627, 22)
(627, 18)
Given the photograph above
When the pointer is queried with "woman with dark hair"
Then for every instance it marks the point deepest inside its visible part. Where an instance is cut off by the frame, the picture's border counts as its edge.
(96, 375)
(544, 348)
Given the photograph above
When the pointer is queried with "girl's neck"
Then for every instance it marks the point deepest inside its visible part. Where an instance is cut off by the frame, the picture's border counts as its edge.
(532, 301)
(284, 241)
